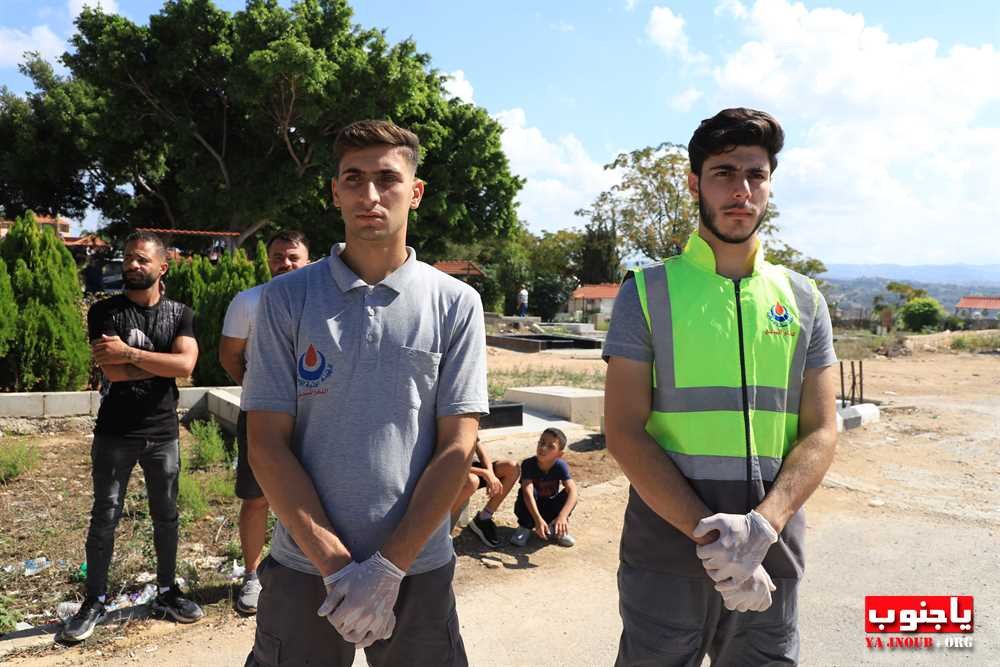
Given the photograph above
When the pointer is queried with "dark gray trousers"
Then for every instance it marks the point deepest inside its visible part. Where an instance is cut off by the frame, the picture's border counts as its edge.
(673, 621)
(113, 459)
(290, 633)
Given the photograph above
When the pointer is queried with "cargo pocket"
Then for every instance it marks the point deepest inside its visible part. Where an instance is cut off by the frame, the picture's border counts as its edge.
(266, 650)
(417, 372)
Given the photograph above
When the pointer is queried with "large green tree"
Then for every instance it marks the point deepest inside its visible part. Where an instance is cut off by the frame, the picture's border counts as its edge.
(598, 257)
(206, 119)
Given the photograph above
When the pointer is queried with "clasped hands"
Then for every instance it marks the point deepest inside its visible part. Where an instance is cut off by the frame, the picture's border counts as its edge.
(734, 560)
(360, 598)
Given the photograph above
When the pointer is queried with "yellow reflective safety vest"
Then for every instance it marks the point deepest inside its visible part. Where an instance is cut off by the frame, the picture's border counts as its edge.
(728, 363)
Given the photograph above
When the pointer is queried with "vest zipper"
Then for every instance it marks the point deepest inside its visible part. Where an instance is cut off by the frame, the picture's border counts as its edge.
(746, 399)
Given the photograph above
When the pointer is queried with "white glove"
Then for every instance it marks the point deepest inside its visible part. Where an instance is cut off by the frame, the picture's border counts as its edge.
(754, 594)
(743, 542)
(360, 598)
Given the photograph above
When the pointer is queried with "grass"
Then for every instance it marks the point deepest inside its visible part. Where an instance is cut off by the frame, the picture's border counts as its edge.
(219, 486)
(190, 497)
(861, 344)
(976, 343)
(209, 447)
(500, 381)
(16, 459)
(9, 617)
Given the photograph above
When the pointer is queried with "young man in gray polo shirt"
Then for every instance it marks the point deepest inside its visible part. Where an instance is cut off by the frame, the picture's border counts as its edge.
(366, 382)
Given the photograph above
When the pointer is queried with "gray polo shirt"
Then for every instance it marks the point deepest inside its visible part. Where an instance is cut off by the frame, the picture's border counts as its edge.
(366, 370)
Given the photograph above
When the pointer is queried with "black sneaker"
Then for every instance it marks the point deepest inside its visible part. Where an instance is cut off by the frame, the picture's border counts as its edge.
(83, 622)
(486, 530)
(175, 605)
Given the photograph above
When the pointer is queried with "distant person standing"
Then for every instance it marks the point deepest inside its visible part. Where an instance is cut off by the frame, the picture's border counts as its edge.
(522, 301)
(366, 382)
(286, 251)
(142, 342)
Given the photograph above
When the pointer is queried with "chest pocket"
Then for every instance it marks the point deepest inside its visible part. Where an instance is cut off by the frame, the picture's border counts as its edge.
(417, 371)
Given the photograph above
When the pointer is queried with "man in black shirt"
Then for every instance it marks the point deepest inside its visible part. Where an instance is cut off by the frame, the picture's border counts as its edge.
(142, 342)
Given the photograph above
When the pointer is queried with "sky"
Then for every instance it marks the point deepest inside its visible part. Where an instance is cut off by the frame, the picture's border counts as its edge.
(891, 110)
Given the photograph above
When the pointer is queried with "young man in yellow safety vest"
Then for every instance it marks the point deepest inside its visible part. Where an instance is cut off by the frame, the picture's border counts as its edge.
(719, 407)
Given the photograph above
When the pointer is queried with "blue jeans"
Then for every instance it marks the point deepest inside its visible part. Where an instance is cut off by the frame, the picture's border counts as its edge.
(112, 459)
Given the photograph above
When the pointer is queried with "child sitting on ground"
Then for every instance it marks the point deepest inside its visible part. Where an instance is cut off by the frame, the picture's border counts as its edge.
(498, 478)
(541, 505)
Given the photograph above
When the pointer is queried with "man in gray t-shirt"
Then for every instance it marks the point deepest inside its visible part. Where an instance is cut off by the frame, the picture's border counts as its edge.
(367, 378)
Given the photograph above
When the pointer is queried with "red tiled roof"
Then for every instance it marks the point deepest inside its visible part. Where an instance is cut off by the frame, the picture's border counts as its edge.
(600, 291)
(459, 267)
(189, 232)
(980, 302)
(88, 240)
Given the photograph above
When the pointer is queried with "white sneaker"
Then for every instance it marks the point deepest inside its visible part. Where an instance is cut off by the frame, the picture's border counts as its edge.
(520, 536)
(246, 601)
(564, 541)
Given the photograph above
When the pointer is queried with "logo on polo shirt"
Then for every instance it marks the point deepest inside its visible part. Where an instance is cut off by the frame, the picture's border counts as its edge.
(313, 369)
(779, 315)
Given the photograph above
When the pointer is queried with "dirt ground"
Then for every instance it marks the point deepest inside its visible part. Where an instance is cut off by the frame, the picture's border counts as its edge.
(911, 506)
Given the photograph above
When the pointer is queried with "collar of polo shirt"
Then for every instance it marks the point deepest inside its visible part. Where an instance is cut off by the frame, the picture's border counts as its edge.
(347, 280)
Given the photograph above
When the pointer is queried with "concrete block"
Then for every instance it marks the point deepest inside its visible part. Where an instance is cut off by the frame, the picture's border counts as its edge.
(95, 403)
(855, 416)
(66, 403)
(580, 406)
(224, 407)
(189, 396)
(23, 404)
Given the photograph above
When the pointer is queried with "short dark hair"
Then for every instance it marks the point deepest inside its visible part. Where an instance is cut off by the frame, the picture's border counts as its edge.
(147, 237)
(558, 435)
(289, 236)
(735, 127)
(367, 133)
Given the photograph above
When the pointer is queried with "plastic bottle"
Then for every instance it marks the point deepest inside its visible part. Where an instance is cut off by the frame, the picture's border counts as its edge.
(36, 565)
(65, 610)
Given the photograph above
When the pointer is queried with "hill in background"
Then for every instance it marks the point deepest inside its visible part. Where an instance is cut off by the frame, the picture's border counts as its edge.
(982, 276)
(858, 293)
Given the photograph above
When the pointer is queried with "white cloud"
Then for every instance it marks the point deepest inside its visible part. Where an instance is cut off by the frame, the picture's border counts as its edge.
(14, 43)
(106, 6)
(733, 8)
(629, 5)
(893, 152)
(560, 176)
(685, 100)
(666, 29)
(458, 86)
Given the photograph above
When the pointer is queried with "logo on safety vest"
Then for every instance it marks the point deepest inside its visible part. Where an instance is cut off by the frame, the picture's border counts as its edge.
(779, 315)
(313, 369)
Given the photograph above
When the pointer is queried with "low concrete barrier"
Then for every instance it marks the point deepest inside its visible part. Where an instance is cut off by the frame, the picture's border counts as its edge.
(581, 406)
(41, 404)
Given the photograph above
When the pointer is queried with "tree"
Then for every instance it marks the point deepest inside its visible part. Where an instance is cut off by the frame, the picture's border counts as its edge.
(920, 313)
(206, 119)
(598, 258)
(8, 311)
(657, 213)
(50, 350)
(905, 293)
(785, 255)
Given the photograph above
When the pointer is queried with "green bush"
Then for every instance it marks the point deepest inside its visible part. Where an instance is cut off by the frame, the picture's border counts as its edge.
(220, 486)
(9, 617)
(975, 343)
(8, 311)
(50, 351)
(208, 288)
(16, 459)
(921, 313)
(209, 447)
(190, 498)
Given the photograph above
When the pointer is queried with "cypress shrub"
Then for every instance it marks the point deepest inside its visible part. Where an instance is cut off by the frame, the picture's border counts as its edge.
(49, 351)
(8, 311)
(208, 288)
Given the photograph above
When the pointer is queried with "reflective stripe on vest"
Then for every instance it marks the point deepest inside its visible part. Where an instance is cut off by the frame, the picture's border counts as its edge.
(691, 314)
